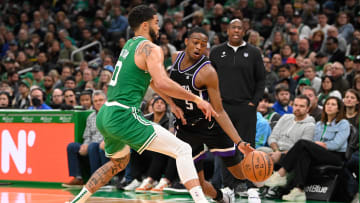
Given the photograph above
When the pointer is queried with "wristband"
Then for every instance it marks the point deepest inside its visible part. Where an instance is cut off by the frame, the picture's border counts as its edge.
(239, 142)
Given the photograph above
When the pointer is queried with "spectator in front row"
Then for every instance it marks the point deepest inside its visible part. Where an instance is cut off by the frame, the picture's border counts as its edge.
(37, 96)
(329, 146)
(85, 99)
(291, 128)
(89, 151)
(263, 131)
(22, 99)
(267, 112)
(57, 99)
(70, 98)
(282, 95)
(158, 161)
(5, 100)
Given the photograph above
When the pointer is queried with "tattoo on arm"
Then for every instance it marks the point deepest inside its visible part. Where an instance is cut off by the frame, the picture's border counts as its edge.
(147, 48)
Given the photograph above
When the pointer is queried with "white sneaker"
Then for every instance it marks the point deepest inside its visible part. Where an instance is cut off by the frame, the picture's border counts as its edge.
(356, 198)
(132, 186)
(253, 195)
(163, 183)
(275, 180)
(295, 195)
(146, 185)
(228, 195)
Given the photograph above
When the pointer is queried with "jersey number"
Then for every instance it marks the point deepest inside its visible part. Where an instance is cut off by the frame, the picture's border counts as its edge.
(189, 105)
(114, 79)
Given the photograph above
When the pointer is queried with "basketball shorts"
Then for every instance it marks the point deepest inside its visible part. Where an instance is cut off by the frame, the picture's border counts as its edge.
(213, 140)
(122, 125)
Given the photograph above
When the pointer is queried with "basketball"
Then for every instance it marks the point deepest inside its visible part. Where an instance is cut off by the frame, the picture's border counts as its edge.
(257, 166)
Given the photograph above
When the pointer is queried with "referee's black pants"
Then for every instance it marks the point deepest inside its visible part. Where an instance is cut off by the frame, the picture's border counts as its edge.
(243, 117)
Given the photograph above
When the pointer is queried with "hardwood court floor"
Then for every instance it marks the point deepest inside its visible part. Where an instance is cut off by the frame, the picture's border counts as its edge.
(33, 193)
(42, 195)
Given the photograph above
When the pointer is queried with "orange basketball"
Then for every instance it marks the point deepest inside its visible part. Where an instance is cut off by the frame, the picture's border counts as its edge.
(257, 166)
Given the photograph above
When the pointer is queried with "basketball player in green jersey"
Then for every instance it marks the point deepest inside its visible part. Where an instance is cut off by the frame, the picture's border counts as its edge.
(140, 64)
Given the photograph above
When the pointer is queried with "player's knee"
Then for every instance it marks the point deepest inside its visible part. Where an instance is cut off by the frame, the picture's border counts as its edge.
(184, 149)
(120, 164)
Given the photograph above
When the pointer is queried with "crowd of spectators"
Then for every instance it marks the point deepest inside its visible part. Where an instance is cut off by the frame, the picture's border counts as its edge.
(309, 47)
(37, 40)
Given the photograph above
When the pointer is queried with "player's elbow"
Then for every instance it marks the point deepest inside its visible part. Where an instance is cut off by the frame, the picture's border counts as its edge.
(161, 84)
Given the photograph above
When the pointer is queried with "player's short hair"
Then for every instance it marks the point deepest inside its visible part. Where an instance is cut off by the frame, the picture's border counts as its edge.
(140, 14)
(197, 30)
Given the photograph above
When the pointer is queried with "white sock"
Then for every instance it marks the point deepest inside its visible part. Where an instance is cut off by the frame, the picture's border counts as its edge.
(82, 196)
(197, 194)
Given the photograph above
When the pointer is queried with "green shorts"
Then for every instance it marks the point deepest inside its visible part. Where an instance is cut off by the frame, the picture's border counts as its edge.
(121, 126)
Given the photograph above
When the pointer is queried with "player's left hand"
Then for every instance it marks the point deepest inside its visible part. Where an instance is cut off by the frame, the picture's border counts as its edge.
(178, 113)
(245, 148)
(207, 109)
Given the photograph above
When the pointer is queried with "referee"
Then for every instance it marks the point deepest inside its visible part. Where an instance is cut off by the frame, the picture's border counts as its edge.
(241, 74)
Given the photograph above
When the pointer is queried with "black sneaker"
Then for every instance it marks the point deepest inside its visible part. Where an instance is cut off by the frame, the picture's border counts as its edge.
(176, 189)
(276, 192)
(241, 190)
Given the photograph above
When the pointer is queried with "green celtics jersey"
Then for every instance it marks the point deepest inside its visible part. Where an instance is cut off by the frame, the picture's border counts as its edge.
(129, 83)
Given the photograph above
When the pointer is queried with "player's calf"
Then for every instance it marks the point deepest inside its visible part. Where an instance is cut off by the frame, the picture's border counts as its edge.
(100, 177)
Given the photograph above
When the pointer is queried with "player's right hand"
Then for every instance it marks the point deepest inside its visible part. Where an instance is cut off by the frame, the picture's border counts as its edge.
(245, 148)
(207, 109)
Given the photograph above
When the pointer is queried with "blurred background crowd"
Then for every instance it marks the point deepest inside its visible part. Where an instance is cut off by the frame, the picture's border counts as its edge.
(74, 44)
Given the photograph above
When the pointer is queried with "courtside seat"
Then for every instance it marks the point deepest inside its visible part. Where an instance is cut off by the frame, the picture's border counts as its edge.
(328, 182)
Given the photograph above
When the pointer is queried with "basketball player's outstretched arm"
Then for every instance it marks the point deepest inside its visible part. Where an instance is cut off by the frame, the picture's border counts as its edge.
(207, 77)
(154, 58)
